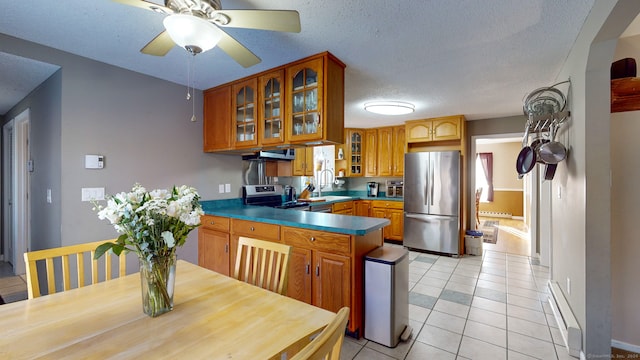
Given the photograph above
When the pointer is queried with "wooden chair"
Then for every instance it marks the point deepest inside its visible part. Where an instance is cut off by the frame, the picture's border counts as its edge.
(327, 345)
(48, 255)
(478, 195)
(263, 263)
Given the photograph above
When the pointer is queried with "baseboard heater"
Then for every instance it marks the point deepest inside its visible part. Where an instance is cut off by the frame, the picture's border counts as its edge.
(496, 214)
(567, 322)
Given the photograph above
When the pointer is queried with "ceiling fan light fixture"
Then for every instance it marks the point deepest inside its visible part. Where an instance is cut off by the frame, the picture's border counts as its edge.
(192, 33)
(389, 107)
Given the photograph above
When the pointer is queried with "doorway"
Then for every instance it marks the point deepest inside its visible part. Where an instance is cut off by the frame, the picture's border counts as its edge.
(509, 219)
(15, 191)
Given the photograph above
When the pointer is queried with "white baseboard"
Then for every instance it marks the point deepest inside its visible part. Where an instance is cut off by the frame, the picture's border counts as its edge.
(625, 346)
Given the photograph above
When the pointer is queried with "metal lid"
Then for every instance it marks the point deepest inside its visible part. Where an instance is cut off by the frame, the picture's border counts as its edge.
(387, 255)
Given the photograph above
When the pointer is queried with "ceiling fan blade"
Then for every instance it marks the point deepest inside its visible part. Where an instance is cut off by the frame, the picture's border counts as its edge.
(275, 20)
(146, 5)
(237, 51)
(159, 46)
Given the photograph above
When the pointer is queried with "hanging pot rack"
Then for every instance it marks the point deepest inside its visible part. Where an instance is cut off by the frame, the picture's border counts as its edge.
(545, 107)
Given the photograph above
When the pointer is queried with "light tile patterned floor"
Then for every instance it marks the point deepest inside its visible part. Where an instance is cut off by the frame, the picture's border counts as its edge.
(489, 307)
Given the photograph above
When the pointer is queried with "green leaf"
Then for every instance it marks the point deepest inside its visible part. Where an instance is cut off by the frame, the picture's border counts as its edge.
(100, 250)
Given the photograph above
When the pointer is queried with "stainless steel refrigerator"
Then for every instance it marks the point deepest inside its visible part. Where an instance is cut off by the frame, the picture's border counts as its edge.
(432, 201)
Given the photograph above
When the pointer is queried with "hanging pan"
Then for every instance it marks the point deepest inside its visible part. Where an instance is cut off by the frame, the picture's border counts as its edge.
(552, 152)
(527, 156)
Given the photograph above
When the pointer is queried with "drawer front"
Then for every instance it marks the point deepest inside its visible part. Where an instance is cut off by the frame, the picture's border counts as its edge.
(340, 206)
(258, 230)
(215, 223)
(388, 204)
(316, 240)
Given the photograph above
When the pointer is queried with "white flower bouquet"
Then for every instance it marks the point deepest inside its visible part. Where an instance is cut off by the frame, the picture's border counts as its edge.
(152, 225)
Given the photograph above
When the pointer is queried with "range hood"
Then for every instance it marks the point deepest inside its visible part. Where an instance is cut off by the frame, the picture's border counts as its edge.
(284, 154)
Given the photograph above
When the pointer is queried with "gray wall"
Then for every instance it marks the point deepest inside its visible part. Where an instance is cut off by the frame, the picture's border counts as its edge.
(44, 104)
(581, 225)
(139, 123)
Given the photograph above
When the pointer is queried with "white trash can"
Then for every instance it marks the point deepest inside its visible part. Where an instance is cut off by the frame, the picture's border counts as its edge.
(473, 244)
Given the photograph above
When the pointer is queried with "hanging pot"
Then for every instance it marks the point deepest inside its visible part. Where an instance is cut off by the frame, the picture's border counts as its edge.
(527, 156)
(550, 171)
(552, 152)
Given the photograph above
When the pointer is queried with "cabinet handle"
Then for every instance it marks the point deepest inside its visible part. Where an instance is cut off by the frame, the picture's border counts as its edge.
(212, 222)
(226, 248)
(317, 270)
(312, 238)
(308, 269)
(252, 228)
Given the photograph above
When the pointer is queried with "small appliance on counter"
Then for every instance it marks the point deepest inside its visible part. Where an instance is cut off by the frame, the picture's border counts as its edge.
(289, 193)
(394, 188)
(372, 189)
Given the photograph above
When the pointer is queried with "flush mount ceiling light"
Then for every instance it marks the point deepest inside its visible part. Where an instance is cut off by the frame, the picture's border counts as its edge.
(192, 33)
(389, 107)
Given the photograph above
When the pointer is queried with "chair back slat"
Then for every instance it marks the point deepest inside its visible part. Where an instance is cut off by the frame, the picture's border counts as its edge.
(81, 252)
(327, 345)
(263, 263)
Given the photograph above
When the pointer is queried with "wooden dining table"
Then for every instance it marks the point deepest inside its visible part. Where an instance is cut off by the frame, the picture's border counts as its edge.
(214, 317)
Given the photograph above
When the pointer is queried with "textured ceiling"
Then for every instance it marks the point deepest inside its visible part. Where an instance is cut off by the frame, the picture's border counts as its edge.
(477, 58)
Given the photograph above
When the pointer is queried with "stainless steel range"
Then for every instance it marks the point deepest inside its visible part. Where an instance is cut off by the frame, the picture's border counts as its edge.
(269, 195)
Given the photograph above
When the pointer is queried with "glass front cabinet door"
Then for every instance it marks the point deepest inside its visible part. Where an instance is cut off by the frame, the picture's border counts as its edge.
(244, 113)
(271, 111)
(304, 91)
(354, 152)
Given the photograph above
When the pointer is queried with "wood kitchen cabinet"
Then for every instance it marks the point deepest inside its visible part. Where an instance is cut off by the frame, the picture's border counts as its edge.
(384, 149)
(362, 207)
(354, 152)
(392, 210)
(244, 113)
(297, 103)
(271, 111)
(214, 245)
(326, 269)
(343, 208)
(216, 124)
(436, 129)
(303, 162)
(252, 229)
(315, 100)
(371, 152)
(398, 148)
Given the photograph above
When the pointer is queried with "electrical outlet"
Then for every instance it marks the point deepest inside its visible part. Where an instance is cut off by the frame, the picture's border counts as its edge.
(568, 286)
(49, 196)
(227, 188)
(559, 192)
(221, 188)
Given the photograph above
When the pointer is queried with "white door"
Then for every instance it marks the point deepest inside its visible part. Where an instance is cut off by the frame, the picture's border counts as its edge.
(16, 194)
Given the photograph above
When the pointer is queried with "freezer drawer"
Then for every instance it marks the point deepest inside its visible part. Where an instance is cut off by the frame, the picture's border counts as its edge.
(432, 232)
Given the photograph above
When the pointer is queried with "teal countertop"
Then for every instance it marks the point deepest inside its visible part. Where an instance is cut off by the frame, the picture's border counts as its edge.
(343, 224)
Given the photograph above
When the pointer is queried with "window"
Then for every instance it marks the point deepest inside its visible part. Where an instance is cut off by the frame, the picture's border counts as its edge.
(484, 175)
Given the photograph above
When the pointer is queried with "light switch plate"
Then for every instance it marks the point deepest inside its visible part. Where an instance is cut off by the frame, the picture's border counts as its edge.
(89, 194)
(221, 188)
(227, 188)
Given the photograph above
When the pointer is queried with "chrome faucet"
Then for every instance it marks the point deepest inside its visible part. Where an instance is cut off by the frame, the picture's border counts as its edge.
(322, 175)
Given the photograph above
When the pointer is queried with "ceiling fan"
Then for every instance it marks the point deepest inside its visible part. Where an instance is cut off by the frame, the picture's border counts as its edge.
(196, 25)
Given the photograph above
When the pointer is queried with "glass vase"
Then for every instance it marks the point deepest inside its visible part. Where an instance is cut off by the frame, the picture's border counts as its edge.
(157, 277)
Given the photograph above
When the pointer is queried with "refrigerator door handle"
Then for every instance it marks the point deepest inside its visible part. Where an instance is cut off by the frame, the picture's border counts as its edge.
(431, 178)
(426, 217)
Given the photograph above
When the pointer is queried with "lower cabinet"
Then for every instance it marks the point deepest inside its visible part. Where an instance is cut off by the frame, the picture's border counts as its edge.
(343, 208)
(363, 207)
(214, 245)
(392, 210)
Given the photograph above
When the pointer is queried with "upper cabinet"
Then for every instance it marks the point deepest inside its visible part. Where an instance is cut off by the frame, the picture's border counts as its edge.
(301, 103)
(436, 129)
(354, 152)
(315, 101)
(271, 111)
(216, 125)
(245, 97)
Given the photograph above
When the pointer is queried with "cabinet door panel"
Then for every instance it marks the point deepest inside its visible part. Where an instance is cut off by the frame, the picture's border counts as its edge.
(213, 250)
(371, 155)
(396, 228)
(271, 112)
(299, 286)
(385, 157)
(332, 281)
(446, 129)
(399, 144)
(245, 105)
(216, 125)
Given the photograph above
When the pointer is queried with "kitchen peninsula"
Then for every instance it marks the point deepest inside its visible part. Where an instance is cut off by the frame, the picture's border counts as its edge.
(326, 268)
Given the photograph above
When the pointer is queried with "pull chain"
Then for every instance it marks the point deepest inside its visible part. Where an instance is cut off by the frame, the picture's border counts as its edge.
(190, 86)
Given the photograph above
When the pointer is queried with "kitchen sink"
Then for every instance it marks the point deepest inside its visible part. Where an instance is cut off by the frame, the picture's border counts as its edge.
(333, 198)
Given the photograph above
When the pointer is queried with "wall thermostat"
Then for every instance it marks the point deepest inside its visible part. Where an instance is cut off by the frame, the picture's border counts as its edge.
(93, 161)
